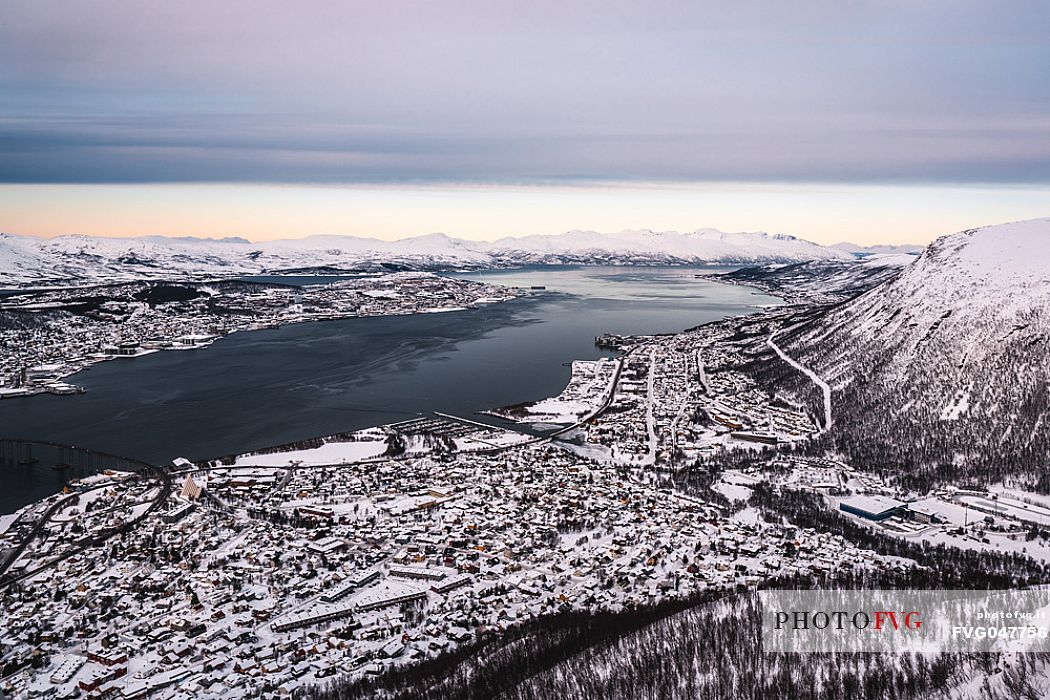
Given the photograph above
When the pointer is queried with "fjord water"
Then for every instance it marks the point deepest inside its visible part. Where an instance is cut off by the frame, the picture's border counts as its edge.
(252, 390)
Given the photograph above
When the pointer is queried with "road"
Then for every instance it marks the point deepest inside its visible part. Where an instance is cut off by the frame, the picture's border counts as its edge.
(650, 420)
(163, 492)
(17, 552)
(809, 373)
(609, 398)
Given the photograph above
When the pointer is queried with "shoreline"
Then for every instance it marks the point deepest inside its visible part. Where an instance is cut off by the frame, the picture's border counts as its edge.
(550, 427)
(52, 375)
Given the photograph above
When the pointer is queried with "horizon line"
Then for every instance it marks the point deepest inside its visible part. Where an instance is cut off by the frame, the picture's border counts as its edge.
(235, 238)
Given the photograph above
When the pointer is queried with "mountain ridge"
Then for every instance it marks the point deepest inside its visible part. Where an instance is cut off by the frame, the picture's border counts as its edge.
(947, 360)
(880, 249)
(26, 260)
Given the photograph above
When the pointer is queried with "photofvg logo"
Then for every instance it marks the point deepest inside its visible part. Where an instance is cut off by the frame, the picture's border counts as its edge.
(880, 620)
(895, 621)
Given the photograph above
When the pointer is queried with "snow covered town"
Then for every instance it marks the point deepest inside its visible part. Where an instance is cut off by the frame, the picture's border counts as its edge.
(667, 400)
(248, 579)
(269, 572)
(48, 335)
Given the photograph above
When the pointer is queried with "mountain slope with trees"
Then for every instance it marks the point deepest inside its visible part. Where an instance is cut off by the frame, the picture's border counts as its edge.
(944, 372)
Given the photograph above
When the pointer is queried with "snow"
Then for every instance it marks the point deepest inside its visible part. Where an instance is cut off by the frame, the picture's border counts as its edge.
(749, 516)
(329, 453)
(558, 411)
(824, 388)
(972, 272)
(904, 249)
(6, 521)
(732, 491)
(1011, 507)
(872, 504)
(890, 260)
(700, 245)
(490, 440)
(588, 387)
(1004, 252)
(963, 319)
(959, 404)
(996, 272)
(28, 260)
(951, 513)
(386, 590)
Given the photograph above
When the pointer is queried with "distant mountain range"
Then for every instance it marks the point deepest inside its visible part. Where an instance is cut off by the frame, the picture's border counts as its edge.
(864, 251)
(945, 369)
(27, 260)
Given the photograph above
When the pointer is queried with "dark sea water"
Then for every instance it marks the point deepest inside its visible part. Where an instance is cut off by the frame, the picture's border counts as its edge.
(252, 390)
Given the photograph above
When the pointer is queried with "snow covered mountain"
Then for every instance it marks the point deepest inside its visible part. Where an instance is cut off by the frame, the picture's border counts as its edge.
(820, 281)
(861, 251)
(946, 369)
(27, 260)
(648, 247)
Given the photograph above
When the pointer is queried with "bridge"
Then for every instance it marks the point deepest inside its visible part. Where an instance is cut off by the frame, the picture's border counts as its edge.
(53, 454)
(15, 452)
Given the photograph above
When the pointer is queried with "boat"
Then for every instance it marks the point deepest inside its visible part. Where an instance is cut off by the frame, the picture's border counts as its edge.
(28, 461)
(60, 465)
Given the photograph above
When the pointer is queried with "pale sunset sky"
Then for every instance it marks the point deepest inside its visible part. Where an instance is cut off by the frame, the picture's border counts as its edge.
(874, 122)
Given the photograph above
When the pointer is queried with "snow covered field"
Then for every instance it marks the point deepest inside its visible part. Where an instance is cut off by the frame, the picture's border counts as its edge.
(587, 390)
(329, 453)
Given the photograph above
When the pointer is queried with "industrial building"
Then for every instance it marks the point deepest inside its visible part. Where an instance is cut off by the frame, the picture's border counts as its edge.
(873, 507)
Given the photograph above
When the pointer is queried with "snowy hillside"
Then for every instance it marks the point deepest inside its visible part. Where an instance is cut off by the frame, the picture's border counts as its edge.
(27, 260)
(951, 358)
(821, 280)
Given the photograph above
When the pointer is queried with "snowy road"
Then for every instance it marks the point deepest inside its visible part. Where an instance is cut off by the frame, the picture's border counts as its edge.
(809, 373)
(650, 420)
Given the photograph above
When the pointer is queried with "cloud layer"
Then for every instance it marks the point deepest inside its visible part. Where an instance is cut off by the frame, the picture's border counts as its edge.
(534, 92)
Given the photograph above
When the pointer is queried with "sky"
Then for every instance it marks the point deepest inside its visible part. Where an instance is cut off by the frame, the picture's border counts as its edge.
(868, 121)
